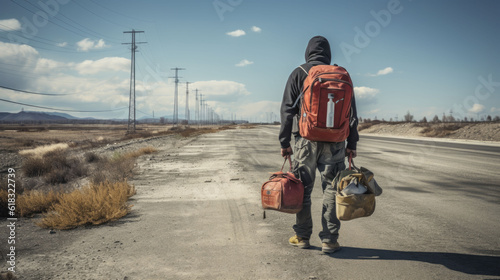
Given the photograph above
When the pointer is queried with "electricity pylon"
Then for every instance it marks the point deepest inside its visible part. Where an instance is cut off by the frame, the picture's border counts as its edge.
(176, 97)
(131, 103)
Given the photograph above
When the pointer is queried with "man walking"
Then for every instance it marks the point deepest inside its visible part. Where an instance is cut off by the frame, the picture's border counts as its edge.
(327, 157)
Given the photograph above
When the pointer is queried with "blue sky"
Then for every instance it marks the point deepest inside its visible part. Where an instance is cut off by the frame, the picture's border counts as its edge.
(426, 57)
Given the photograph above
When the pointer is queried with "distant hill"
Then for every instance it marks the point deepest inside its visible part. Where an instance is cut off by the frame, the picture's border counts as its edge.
(3, 114)
(30, 116)
(38, 116)
(64, 115)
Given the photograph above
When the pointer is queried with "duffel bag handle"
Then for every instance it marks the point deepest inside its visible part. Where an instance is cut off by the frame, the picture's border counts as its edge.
(351, 163)
(284, 164)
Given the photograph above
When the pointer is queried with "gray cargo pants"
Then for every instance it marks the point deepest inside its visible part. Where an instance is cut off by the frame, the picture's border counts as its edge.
(329, 159)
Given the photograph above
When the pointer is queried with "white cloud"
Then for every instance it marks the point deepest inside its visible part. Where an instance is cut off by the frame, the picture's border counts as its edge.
(260, 110)
(10, 24)
(382, 72)
(256, 29)
(105, 64)
(224, 91)
(16, 59)
(365, 92)
(87, 44)
(494, 110)
(476, 108)
(236, 33)
(63, 44)
(244, 63)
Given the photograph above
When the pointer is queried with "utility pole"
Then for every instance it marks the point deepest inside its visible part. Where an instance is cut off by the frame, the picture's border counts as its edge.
(186, 112)
(131, 103)
(197, 112)
(176, 97)
(201, 109)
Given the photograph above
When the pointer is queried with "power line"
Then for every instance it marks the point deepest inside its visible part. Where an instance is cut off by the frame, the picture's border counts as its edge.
(149, 115)
(47, 20)
(118, 24)
(77, 28)
(118, 13)
(31, 92)
(61, 110)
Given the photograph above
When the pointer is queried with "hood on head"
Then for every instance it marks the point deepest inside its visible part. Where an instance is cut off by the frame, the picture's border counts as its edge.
(318, 50)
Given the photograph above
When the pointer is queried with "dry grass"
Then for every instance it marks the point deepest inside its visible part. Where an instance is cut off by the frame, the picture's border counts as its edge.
(92, 205)
(39, 152)
(140, 152)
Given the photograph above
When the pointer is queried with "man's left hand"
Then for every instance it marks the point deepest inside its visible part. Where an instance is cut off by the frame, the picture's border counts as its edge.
(349, 152)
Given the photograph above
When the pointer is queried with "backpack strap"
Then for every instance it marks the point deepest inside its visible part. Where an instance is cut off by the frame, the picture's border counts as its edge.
(304, 66)
(307, 73)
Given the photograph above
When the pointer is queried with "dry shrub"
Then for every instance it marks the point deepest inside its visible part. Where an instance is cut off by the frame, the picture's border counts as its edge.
(92, 157)
(94, 204)
(27, 202)
(55, 166)
(32, 202)
(188, 132)
(113, 170)
(62, 168)
(34, 167)
(7, 276)
(27, 143)
(365, 125)
(118, 168)
(441, 130)
(4, 203)
(141, 134)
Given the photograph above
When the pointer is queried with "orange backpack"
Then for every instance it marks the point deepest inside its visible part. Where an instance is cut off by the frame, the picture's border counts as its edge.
(324, 84)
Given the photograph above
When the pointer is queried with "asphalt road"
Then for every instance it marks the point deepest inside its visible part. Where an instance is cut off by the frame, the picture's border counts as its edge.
(197, 215)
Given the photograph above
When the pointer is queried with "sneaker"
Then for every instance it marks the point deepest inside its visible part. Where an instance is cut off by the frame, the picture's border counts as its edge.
(329, 248)
(296, 241)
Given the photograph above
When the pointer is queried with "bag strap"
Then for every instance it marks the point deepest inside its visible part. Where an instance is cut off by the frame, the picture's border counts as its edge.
(307, 74)
(284, 164)
(351, 163)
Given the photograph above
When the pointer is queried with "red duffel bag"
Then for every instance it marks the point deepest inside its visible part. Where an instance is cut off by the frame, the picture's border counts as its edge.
(283, 192)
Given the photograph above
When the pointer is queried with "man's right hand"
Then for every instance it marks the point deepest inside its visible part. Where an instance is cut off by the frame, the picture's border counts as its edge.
(287, 152)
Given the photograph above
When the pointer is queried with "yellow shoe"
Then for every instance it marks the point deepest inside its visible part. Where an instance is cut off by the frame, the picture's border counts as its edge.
(302, 243)
(329, 248)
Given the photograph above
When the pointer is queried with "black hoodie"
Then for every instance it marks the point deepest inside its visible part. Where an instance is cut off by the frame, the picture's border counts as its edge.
(317, 52)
